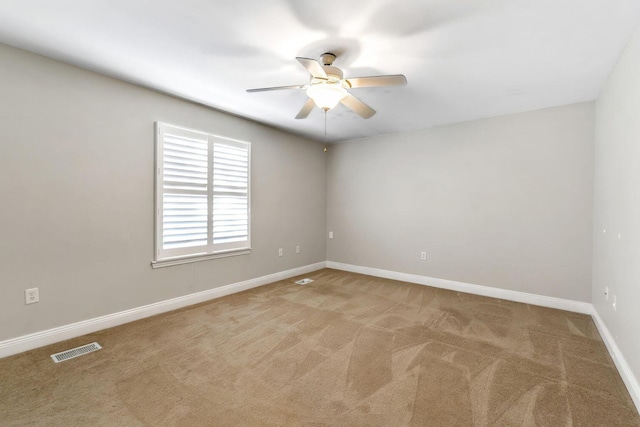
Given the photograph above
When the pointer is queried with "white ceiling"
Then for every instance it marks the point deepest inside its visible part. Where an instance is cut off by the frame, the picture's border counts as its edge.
(464, 59)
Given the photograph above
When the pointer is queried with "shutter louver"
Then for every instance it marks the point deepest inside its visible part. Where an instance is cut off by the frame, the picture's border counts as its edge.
(184, 221)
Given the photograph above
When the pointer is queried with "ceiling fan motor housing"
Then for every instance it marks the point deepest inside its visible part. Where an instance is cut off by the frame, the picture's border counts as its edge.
(333, 71)
(327, 65)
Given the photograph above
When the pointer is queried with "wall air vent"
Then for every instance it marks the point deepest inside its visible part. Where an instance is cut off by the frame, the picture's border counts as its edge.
(75, 352)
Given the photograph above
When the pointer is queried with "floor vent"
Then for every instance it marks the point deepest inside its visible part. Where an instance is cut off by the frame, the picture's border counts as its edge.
(75, 352)
(304, 281)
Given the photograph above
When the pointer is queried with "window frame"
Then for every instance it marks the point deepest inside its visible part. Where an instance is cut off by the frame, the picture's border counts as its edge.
(211, 250)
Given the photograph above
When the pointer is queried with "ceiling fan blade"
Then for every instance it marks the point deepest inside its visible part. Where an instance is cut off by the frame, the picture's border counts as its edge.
(313, 67)
(306, 109)
(376, 81)
(265, 89)
(358, 106)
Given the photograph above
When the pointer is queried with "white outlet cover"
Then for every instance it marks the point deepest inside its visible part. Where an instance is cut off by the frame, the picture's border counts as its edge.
(31, 296)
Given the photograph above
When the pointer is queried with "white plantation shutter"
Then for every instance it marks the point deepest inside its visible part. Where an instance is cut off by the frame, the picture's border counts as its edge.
(202, 193)
(184, 200)
(230, 193)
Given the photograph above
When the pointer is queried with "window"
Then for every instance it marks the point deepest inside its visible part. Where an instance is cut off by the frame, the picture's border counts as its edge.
(202, 195)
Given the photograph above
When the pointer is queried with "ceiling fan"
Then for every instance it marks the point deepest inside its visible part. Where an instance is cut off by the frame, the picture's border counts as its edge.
(328, 87)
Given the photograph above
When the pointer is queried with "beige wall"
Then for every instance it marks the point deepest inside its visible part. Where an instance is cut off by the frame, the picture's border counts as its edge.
(616, 261)
(76, 196)
(503, 202)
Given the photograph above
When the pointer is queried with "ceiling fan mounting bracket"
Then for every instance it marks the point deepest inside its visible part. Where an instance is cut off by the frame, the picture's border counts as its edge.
(327, 58)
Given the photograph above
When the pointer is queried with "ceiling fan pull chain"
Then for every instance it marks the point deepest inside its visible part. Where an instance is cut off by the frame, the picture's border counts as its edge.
(325, 131)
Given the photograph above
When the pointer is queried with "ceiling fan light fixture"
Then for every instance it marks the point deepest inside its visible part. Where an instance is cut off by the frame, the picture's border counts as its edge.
(326, 95)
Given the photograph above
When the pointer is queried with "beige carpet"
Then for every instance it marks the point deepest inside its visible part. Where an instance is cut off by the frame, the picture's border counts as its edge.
(346, 350)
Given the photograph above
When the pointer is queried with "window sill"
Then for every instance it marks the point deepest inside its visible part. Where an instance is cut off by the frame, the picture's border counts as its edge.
(168, 262)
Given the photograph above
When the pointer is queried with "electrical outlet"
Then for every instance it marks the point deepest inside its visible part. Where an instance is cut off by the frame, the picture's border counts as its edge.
(606, 293)
(423, 256)
(297, 249)
(280, 252)
(31, 296)
(331, 234)
(614, 303)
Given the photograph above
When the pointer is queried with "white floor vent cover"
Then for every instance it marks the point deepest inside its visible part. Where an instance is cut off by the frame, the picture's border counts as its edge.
(75, 352)
(303, 282)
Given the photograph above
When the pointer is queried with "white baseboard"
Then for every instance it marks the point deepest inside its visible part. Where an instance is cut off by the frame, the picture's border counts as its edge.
(621, 363)
(534, 299)
(50, 336)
